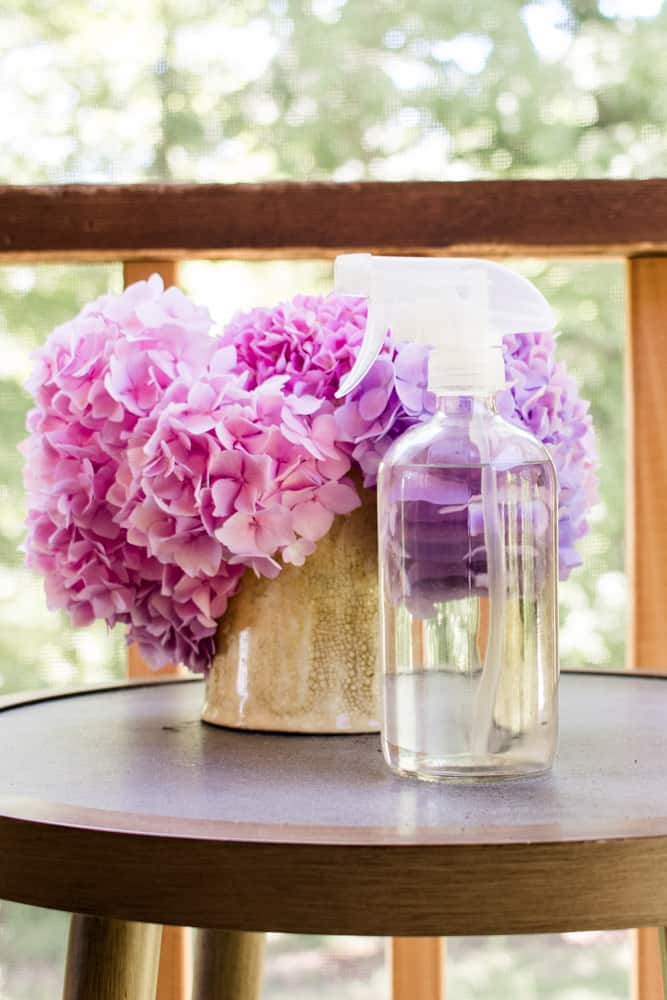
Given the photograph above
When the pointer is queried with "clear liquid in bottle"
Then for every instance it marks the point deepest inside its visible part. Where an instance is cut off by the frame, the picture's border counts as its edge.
(468, 554)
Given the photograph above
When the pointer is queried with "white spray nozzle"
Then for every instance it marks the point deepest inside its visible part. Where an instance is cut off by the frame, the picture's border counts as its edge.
(461, 307)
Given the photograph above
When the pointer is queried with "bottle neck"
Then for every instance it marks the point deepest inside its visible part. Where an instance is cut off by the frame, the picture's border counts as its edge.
(466, 405)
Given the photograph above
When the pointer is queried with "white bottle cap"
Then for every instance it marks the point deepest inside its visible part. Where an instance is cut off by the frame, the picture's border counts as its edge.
(461, 307)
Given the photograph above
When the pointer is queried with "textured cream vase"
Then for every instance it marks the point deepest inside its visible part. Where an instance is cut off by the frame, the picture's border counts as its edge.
(300, 653)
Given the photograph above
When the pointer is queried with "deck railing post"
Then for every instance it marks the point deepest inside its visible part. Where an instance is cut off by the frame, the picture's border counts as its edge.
(646, 403)
(175, 975)
(417, 968)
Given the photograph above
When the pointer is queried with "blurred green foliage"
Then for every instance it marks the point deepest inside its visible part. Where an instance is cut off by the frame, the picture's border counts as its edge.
(198, 90)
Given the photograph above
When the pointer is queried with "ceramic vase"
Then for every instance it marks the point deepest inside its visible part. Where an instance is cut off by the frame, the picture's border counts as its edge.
(300, 653)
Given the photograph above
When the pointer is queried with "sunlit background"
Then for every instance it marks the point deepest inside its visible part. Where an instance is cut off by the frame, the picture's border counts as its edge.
(196, 90)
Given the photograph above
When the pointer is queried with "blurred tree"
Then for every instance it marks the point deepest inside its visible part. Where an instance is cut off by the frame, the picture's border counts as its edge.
(196, 90)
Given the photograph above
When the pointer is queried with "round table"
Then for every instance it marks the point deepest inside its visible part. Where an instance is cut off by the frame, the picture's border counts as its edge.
(121, 803)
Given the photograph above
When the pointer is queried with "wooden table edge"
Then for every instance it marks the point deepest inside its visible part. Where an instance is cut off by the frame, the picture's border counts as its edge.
(376, 889)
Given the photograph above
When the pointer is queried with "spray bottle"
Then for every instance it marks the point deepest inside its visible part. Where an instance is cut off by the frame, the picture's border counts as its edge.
(467, 522)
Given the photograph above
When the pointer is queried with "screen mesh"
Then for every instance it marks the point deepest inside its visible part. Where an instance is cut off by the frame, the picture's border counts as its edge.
(196, 90)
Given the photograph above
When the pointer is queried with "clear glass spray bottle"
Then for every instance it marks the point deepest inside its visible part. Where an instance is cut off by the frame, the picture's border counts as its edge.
(467, 519)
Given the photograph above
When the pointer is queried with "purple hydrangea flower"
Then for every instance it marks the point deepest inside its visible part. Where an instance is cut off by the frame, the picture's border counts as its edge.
(542, 398)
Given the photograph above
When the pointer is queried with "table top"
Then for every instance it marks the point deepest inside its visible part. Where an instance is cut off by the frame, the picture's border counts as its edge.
(121, 802)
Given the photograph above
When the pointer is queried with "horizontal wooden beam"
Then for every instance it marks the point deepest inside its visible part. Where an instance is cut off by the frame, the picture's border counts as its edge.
(168, 222)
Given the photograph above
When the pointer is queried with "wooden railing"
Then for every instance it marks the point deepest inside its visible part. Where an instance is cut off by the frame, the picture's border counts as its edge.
(172, 222)
(152, 227)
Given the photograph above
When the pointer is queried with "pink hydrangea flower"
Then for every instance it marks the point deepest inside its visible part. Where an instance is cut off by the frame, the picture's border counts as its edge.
(220, 473)
(311, 340)
(93, 380)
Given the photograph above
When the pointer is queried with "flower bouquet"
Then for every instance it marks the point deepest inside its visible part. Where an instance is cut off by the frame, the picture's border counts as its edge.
(207, 490)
